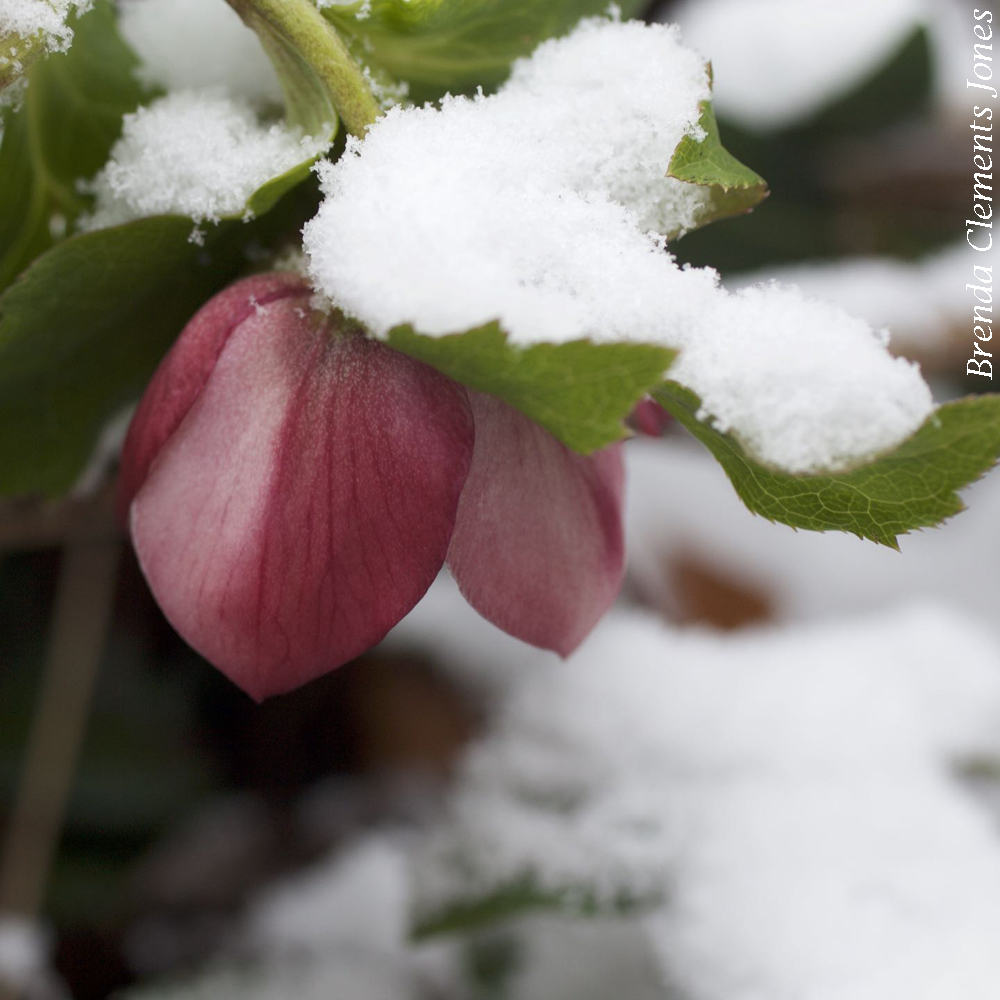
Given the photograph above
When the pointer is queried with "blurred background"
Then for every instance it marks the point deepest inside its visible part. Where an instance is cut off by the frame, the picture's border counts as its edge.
(290, 849)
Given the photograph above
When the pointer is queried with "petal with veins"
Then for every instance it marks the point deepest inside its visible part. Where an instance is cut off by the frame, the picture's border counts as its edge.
(537, 547)
(305, 500)
(185, 370)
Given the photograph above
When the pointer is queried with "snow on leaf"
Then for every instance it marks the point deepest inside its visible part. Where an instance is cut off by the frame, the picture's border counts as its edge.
(912, 487)
(505, 209)
(199, 154)
(29, 29)
(41, 159)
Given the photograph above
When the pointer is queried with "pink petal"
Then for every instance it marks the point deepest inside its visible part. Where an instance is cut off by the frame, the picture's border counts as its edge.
(649, 418)
(184, 371)
(538, 546)
(305, 501)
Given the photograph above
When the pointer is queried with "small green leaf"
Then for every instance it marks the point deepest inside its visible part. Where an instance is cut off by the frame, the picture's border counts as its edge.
(580, 391)
(272, 191)
(913, 487)
(438, 46)
(69, 119)
(518, 899)
(735, 188)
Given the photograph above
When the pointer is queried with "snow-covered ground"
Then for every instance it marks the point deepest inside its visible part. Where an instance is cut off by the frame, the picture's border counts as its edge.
(787, 805)
(787, 800)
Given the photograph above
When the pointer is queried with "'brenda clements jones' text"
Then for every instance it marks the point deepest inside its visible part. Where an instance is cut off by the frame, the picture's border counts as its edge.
(979, 231)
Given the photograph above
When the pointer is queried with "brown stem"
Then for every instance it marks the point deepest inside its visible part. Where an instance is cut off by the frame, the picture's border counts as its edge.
(82, 611)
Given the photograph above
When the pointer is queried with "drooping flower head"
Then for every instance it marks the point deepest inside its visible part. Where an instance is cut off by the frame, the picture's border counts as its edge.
(293, 487)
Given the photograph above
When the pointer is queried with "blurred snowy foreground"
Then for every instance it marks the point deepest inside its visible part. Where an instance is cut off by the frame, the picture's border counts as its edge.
(798, 811)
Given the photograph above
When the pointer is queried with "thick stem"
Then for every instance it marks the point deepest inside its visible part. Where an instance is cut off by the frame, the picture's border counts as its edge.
(317, 43)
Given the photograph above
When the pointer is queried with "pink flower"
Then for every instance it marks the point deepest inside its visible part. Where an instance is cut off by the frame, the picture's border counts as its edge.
(293, 487)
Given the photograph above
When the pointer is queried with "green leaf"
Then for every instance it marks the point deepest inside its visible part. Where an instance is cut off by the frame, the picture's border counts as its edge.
(271, 192)
(517, 899)
(24, 207)
(69, 118)
(734, 188)
(80, 332)
(85, 325)
(913, 487)
(438, 46)
(581, 391)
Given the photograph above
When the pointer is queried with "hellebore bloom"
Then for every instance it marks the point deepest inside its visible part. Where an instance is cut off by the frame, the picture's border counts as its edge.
(292, 488)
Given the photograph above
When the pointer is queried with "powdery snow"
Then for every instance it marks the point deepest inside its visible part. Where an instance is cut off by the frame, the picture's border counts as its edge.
(336, 929)
(777, 62)
(592, 959)
(787, 794)
(803, 384)
(539, 206)
(44, 19)
(25, 949)
(357, 900)
(919, 302)
(193, 153)
(193, 44)
(22, 950)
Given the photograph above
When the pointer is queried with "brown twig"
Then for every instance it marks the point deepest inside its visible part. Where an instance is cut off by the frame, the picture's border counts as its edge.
(82, 610)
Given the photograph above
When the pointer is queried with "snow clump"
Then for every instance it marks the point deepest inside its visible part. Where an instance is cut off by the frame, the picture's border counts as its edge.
(193, 153)
(546, 207)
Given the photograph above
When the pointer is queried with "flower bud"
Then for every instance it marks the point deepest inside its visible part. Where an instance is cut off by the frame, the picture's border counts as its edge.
(291, 488)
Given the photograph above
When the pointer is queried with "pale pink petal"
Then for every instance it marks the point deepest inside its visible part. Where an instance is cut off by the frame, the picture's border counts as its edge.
(305, 501)
(185, 369)
(537, 547)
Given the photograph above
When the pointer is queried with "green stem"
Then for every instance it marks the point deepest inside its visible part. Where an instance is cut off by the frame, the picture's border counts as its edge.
(304, 29)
